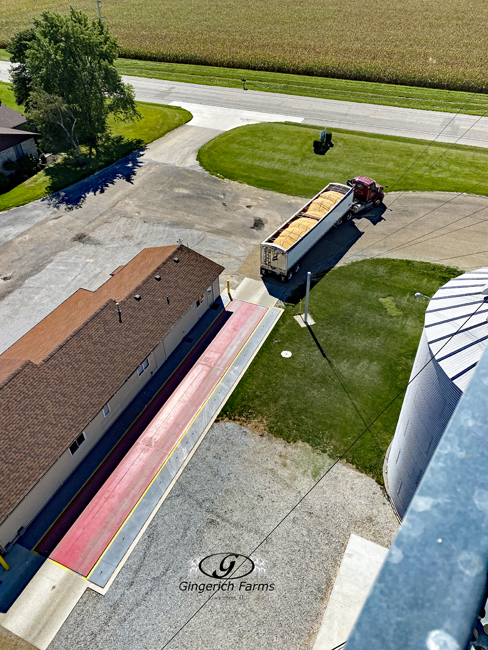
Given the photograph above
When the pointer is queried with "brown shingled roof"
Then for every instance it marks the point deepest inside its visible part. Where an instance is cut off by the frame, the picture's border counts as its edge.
(65, 319)
(9, 118)
(46, 404)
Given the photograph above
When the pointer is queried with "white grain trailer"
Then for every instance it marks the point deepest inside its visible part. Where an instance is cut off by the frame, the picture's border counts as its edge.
(282, 251)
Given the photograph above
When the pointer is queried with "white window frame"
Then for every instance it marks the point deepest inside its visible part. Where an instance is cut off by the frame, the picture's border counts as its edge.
(77, 443)
(144, 366)
(106, 410)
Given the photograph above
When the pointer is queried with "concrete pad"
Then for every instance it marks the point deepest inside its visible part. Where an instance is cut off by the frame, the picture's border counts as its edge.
(44, 605)
(359, 568)
(180, 147)
(254, 291)
(224, 119)
(300, 320)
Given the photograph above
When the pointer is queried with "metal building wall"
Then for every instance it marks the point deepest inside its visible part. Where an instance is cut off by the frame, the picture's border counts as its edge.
(429, 403)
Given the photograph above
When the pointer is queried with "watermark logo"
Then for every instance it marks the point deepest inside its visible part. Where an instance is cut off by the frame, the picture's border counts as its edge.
(224, 569)
(227, 566)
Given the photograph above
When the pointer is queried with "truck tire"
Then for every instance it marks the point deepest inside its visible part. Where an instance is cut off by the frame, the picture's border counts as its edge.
(338, 222)
(377, 202)
(289, 276)
(349, 215)
(296, 269)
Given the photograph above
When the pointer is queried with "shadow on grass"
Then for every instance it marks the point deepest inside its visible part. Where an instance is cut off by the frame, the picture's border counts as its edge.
(70, 184)
(347, 392)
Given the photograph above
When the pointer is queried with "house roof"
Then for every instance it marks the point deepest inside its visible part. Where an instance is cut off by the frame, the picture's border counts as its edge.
(11, 137)
(9, 118)
(67, 367)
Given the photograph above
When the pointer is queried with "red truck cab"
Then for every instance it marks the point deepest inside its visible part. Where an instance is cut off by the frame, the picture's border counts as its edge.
(367, 190)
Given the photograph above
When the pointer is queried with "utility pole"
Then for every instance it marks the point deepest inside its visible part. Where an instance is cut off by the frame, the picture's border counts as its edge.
(305, 320)
(98, 7)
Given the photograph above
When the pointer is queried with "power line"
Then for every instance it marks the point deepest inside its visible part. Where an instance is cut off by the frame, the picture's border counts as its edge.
(410, 241)
(439, 157)
(344, 453)
(437, 136)
(456, 257)
(422, 217)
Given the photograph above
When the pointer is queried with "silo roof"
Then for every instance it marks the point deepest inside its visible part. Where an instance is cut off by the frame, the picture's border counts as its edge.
(450, 312)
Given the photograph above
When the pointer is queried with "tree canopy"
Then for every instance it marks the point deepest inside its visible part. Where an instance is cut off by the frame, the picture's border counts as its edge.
(68, 62)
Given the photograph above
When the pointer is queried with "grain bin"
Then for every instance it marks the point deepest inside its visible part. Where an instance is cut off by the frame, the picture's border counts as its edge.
(432, 396)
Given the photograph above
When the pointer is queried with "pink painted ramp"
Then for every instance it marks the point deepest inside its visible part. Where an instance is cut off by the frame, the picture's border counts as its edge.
(88, 538)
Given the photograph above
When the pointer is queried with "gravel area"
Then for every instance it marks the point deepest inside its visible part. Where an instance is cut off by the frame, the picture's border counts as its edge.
(235, 489)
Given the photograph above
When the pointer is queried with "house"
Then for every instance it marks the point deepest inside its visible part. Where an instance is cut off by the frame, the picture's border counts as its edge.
(15, 140)
(64, 383)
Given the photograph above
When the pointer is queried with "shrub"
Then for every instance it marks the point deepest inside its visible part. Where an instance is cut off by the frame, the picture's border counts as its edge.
(4, 183)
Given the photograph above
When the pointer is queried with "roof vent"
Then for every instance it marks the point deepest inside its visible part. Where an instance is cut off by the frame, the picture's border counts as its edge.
(157, 277)
(176, 259)
(137, 296)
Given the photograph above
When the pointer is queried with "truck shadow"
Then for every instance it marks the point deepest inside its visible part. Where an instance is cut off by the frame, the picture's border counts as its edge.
(326, 253)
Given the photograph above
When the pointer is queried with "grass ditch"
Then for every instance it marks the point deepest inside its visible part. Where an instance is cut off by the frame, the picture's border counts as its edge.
(367, 328)
(279, 157)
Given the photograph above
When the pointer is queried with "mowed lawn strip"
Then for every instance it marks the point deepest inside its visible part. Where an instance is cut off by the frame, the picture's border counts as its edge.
(280, 157)
(367, 324)
(156, 121)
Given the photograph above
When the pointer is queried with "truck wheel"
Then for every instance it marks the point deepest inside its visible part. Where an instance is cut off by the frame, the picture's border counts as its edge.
(338, 223)
(377, 202)
(289, 276)
(349, 216)
(296, 269)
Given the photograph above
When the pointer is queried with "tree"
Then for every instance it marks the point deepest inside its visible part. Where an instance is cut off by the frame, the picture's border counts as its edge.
(71, 58)
(54, 119)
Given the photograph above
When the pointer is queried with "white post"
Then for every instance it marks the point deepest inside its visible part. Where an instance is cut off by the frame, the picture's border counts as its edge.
(309, 275)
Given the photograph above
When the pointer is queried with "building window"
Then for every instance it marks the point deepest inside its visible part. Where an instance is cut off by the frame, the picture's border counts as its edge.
(200, 300)
(106, 410)
(77, 443)
(142, 367)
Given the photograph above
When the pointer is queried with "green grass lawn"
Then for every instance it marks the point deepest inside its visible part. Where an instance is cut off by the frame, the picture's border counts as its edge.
(279, 157)
(368, 325)
(432, 99)
(156, 121)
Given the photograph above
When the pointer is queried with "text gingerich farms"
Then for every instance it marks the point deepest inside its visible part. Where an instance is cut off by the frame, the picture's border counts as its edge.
(243, 586)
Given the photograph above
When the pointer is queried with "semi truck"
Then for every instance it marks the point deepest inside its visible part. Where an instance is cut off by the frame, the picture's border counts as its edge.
(282, 251)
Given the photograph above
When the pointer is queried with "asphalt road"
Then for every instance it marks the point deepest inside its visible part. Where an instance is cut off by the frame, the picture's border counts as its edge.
(388, 120)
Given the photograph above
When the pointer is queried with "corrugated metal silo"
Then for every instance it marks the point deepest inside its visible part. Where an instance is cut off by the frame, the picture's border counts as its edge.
(432, 396)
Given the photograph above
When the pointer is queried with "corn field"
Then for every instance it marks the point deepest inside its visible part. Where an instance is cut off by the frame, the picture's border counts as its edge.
(420, 42)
